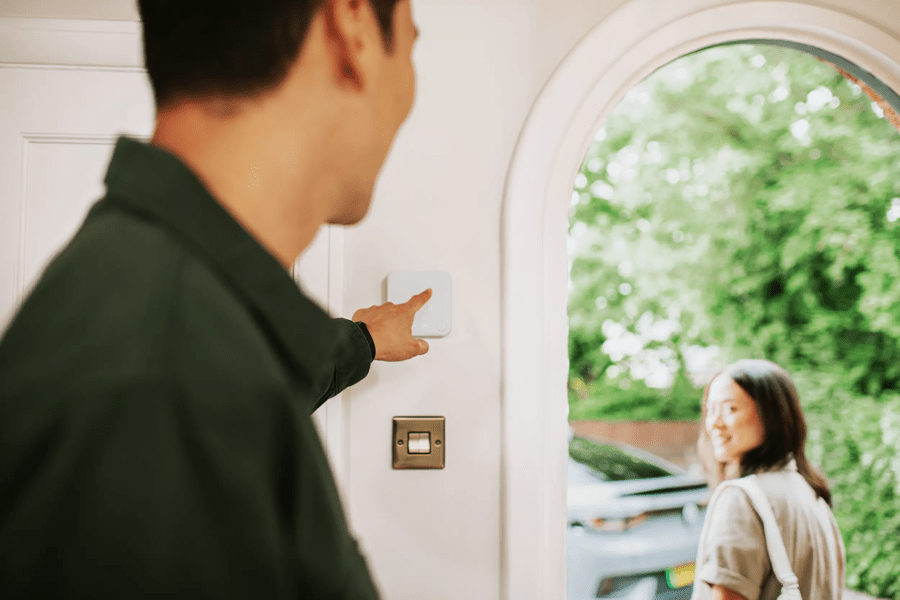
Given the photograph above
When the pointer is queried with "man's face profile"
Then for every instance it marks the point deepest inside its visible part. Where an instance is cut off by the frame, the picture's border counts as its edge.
(311, 111)
(389, 100)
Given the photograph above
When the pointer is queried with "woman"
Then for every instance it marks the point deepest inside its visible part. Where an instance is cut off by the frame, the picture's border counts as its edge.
(753, 424)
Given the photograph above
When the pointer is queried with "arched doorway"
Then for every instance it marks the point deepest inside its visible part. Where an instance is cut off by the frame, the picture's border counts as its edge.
(640, 37)
(737, 203)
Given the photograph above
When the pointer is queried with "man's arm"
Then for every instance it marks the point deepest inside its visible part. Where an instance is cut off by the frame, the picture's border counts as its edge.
(390, 327)
(352, 359)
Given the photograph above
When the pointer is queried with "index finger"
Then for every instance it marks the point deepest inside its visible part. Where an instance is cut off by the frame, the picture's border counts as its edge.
(419, 300)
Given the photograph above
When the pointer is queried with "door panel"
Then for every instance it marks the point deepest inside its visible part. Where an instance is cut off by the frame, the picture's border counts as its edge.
(54, 207)
(57, 130)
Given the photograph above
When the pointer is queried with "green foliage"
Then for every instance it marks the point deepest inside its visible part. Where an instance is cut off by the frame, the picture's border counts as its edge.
(858, 439)
(602, 400)
(739, 198)
(746, 199)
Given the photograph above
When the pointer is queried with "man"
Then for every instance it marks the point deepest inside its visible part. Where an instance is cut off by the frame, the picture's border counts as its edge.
(156, 386)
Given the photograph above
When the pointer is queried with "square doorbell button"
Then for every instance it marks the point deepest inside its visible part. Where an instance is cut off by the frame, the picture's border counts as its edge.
(435, 319)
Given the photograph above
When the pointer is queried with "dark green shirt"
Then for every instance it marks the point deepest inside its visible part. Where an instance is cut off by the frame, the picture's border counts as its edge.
(155, 396)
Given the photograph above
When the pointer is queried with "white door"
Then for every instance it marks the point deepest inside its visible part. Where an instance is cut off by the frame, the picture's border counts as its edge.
(57, 131)
(58, 127)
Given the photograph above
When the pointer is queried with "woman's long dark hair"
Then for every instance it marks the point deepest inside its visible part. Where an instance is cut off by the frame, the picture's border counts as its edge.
(775, 396)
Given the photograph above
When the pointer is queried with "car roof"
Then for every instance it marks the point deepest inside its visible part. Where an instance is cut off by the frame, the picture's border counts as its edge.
(595, 452)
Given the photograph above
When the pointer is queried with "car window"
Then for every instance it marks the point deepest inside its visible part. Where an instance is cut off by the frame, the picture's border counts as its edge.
(613, 463)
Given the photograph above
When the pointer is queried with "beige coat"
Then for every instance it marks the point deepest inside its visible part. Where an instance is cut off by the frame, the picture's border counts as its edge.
(732, 550)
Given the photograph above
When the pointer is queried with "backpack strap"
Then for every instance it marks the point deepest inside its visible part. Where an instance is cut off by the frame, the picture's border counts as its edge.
(778, 556)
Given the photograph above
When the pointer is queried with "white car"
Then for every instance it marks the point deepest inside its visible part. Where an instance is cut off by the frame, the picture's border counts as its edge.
(634, 522)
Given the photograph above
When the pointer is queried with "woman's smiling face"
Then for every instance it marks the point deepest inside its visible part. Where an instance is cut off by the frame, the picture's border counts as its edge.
(733, 421)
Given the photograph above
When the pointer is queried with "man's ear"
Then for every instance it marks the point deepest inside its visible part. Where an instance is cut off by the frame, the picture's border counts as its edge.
(354, 38)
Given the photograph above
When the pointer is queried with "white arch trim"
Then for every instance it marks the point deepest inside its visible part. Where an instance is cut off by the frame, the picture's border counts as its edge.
(639, 37)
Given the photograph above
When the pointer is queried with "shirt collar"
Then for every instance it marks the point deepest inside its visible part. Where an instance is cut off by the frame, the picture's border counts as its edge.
(151, 181)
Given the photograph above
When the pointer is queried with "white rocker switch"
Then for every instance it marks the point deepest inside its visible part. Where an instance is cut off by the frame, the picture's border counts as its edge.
(419, 443)
(435, 319)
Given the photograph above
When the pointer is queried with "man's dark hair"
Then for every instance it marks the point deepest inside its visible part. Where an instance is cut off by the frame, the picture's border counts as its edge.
(229, 48)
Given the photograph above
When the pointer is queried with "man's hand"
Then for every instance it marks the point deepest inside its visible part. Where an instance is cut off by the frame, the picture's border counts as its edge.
(390, 326)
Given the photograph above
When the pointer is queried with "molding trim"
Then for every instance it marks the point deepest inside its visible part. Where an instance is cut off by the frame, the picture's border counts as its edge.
(332, 417)
(39, 43)
(77, 138)
(44, 138)
(639, 37)
(337, 417)
(27, 140)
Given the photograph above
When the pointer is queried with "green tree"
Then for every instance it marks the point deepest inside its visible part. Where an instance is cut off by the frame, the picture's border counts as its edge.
(740, 197)
(746, 199)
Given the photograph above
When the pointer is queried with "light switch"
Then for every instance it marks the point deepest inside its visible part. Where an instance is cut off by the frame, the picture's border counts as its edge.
(435, 319)
(419, 443)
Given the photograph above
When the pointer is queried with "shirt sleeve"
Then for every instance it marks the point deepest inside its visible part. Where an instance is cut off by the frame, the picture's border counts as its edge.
(352, 359)
(734, 551)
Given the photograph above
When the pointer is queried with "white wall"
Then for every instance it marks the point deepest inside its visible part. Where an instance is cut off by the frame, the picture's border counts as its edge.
(436, 534)
(562, 25)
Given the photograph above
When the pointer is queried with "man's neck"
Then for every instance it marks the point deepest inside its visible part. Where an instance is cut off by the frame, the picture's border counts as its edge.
(276, 186)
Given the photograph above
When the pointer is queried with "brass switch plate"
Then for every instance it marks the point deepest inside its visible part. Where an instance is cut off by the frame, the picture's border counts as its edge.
(404, 427)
